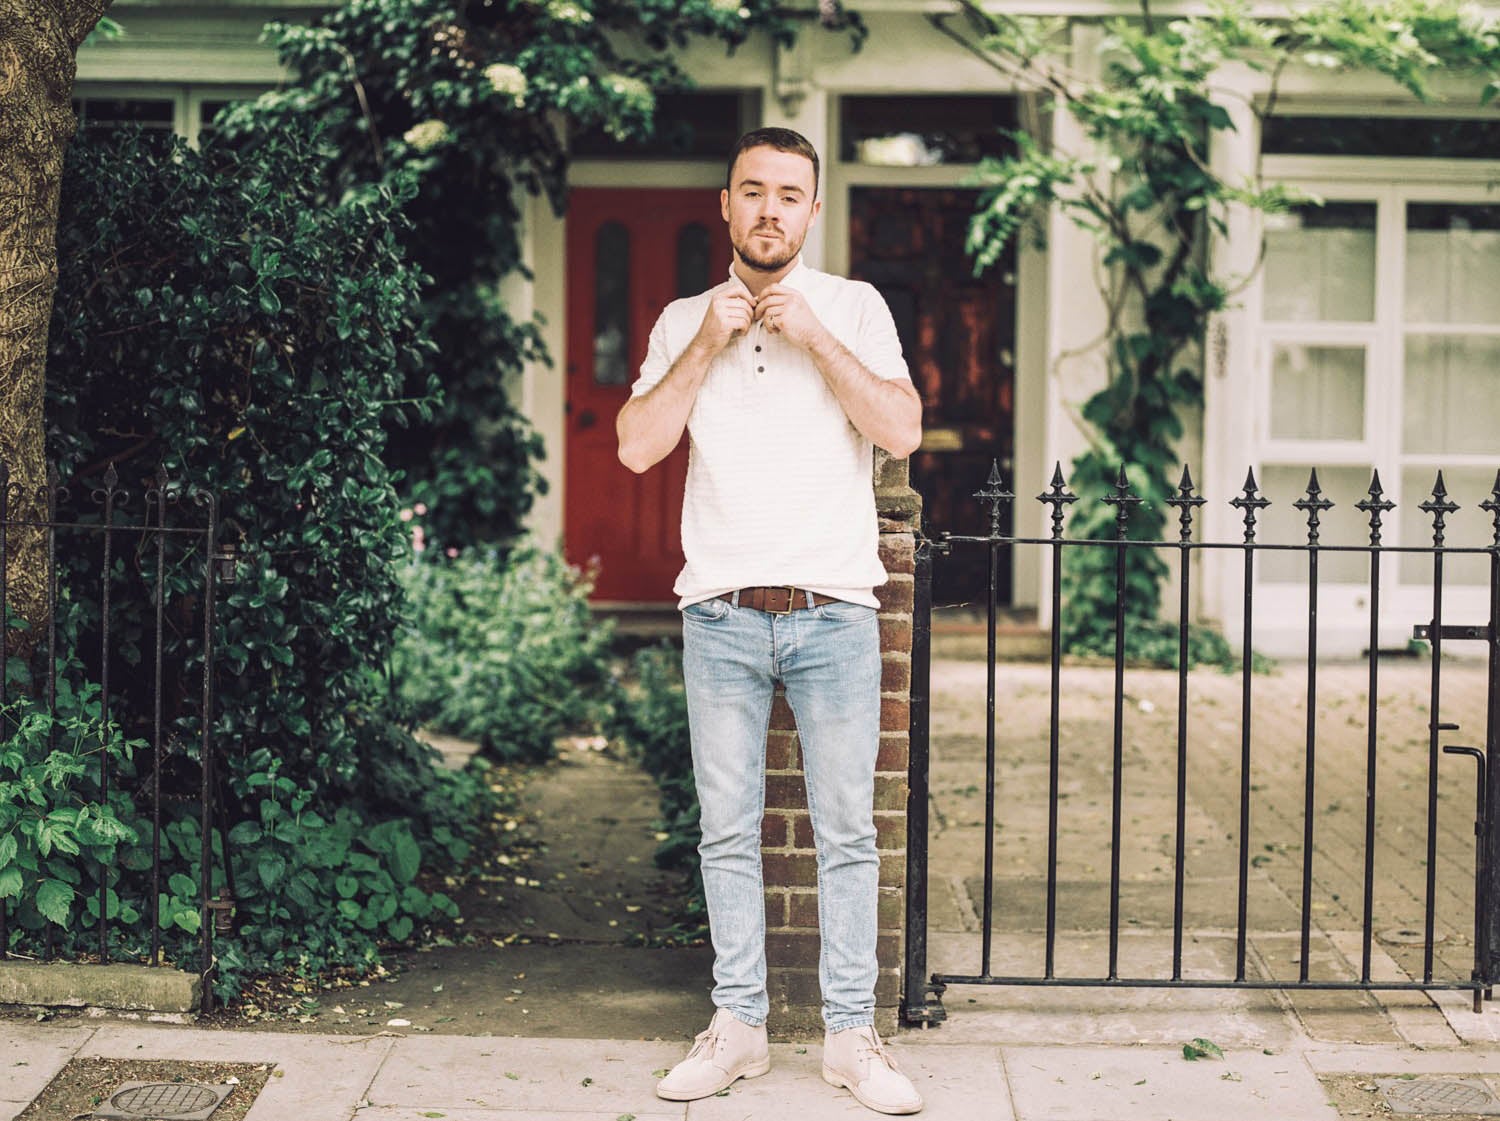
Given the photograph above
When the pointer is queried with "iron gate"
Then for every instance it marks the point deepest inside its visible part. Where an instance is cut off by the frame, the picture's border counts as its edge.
(922, 1003)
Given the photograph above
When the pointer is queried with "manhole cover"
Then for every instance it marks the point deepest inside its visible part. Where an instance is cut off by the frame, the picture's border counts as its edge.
(189, 1101)
(1439, 1095)
(1407, 936)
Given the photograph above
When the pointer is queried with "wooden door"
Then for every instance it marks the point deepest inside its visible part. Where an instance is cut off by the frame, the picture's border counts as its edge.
(629, 253)
(958, 333)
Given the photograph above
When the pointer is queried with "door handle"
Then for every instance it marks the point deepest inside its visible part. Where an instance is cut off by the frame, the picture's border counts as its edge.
(587, 419)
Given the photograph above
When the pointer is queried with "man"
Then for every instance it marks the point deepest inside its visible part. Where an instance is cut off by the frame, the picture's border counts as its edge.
(784, 378)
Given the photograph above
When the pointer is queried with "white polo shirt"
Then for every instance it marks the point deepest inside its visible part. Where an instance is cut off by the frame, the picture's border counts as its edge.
(779, 483)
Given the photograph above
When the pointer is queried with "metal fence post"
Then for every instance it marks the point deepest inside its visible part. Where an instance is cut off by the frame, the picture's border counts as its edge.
(921, 1002)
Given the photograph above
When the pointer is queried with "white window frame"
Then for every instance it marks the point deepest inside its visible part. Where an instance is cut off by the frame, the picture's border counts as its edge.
(187, 100)
(1390, 184)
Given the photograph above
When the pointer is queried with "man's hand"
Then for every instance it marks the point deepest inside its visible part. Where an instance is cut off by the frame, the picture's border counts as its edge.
(728, 316)
(784, 311)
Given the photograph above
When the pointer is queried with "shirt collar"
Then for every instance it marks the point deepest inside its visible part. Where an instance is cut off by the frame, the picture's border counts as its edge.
(796, 278)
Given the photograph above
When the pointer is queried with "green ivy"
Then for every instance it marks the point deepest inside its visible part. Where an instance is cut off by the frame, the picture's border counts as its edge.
(1147, 193)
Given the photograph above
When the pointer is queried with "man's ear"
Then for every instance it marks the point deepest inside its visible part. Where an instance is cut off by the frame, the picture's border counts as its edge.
(724, 203)
(817, 208)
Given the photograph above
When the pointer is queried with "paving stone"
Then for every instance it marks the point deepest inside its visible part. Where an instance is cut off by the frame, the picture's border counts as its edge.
(1401, 1060)
(957, 1083)
(1025, 1014)
(465, 1073)
(409, 1113)
(321, 1076)
(31, 1054)
(1156, 1084)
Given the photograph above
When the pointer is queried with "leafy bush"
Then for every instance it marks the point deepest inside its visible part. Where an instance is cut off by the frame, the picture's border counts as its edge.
(502, 650)
(216, 316)
(651, 718)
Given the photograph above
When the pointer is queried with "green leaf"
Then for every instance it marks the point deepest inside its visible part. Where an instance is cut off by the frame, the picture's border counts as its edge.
(54, 899)
(182, 885)
(271, 866)
(1201, 1049)
(406, 857)
(10, 882)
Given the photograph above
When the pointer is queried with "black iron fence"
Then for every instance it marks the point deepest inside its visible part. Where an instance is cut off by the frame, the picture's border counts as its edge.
(923, 990)
(85, 562)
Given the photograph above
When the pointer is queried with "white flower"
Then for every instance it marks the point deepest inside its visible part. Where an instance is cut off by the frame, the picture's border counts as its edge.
(566, 12)
(426, 135)
(632, 90)
(1322, 60)
(724, 5)
(507, 80)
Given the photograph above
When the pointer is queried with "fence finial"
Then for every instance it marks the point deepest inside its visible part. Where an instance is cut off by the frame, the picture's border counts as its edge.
(1313, 505)
(994, 493)
(1058, 496)
(1249, 503)
(1122, 499)
(1185, 500)
(1491, 505)
(1439, 507)
(1375, 506)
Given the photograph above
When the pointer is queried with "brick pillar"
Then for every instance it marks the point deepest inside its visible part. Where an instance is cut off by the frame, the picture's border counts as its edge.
(786, 832)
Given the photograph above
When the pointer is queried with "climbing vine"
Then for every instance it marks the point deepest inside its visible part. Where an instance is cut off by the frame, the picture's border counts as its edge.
(1146, 191)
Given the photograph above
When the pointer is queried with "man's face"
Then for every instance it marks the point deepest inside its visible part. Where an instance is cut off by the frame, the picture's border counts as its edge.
(769, 206)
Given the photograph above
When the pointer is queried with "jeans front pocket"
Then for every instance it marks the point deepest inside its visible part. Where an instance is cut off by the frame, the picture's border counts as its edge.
(707, 610)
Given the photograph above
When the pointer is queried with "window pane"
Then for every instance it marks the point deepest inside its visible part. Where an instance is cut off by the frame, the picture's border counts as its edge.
(1281, 523)
(921, 131)
(1320, 264)
(98, 116)
(1436, 137)
(688, 126)
(1452, 264)
(1317, 392)
(1451, 395)
(692, 260)
(1467, 527)
(612, 305)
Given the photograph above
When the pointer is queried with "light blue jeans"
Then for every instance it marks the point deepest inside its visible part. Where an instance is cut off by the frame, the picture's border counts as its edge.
(828, 659)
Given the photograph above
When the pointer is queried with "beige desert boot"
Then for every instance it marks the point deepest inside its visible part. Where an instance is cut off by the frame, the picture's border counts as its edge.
(728, 1050)
(856, 1058)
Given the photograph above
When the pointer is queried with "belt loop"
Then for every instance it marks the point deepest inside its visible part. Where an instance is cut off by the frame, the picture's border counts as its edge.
(735, 602)
(809, 595)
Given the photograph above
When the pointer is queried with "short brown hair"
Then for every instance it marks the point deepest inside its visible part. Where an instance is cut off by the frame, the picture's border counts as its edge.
(783, 140)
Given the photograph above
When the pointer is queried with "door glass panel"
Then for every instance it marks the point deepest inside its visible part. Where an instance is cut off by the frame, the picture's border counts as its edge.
(611, 304)
(1467, 527)
(1317, 392)
(1451, 394)
(692, 260)
(1320, 264)
(1281, 523)
(1452, 264)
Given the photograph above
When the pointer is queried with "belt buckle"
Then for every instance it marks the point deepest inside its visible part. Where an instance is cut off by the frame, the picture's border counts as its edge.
(791, 600)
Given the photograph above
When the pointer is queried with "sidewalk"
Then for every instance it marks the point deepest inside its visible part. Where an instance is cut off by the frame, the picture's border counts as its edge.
(1084, 1055)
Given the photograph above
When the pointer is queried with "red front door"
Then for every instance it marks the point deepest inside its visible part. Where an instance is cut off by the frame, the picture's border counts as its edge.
(630, 253)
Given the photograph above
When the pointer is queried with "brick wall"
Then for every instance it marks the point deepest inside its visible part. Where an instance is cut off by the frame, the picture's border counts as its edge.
(786, 831)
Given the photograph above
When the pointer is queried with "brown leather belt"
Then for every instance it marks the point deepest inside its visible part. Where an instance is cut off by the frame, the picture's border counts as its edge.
(782, 600)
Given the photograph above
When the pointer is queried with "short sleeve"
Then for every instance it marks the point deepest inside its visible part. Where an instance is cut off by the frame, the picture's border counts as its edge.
(657, 362)
(879, 346)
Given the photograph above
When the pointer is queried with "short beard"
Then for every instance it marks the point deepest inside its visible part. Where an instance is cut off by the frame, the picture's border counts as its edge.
(767, 264)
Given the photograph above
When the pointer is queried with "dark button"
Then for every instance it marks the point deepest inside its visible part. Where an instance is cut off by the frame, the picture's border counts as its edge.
(757, 350)
(760, 369)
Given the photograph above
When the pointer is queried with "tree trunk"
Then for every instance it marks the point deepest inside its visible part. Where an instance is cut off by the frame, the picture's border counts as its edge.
(39, 42)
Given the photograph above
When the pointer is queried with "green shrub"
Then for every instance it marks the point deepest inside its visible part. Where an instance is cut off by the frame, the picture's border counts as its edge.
(502, 650)
(215, 315)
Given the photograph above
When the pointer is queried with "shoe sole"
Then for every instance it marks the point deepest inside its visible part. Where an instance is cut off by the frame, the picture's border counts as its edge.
(755, 1070)
(842, 1083)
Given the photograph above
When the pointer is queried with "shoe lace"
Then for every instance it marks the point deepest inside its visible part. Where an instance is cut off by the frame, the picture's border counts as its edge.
(708, 1039)
(874, 1046)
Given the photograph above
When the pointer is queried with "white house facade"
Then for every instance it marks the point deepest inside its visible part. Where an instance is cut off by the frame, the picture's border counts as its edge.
(1368, 337)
